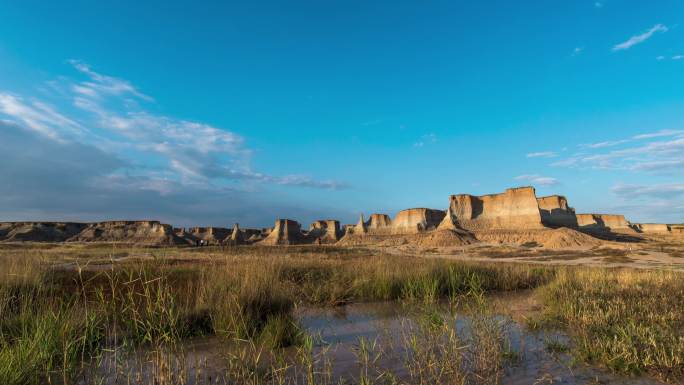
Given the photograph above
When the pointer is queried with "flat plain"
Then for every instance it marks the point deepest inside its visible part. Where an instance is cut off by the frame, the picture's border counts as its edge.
(325, 314)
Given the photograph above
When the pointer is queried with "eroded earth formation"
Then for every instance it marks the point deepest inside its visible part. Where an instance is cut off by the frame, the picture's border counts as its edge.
(516, 216)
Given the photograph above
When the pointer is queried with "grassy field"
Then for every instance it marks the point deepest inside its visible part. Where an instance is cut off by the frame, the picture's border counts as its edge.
(61, 308)
(630, 321)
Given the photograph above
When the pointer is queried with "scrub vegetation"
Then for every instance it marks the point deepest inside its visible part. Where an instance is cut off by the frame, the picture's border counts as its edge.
(64, 310)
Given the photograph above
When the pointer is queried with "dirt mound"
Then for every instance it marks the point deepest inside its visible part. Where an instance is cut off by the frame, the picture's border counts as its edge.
(548, 238)
(137, 232)
(396, 240)
(445, 238)
(384, 240)
(569, 238)
(437, 238)
(39, 231)
(355, 239)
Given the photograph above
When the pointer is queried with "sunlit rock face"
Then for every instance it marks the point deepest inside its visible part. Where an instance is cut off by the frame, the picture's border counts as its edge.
(661, 228)
(516, 208)
(411, 221)
(325, 231)
(555, 212)
(285, 232)
(602, 222)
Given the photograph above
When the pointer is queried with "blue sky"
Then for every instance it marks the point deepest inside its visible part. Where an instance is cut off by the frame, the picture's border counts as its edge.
(222, 112)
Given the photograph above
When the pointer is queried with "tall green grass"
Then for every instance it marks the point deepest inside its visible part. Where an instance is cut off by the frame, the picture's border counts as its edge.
(630, 321)
(55, 319)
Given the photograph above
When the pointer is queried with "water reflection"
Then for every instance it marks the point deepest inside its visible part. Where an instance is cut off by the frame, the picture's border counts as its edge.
(532, 357)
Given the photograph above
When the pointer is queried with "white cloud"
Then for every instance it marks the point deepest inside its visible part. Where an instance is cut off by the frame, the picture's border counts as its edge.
(541, 154)
(568, 162)
(598, 4)
(660, 165)
(631, 191)
(539, 180)
(637, 39)
(152, 145)
(70, 181)
(673, 57)
(656, 152)
(605, 144)
(658, 134)
(425, 139)
(577, 51)
(102, 85)
(37, 116)
(649, 209)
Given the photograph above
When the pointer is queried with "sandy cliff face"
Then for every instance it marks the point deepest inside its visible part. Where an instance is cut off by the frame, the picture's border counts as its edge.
(327, 231)
(677, 229)
(379, 223)
(602, 222)
(516, 208)
(555, 212)
(514, 216)
(211, 235)
(652, 227)
(360, 227)
(285, 232)
(39, 231)
(417, 220)
(139, 232)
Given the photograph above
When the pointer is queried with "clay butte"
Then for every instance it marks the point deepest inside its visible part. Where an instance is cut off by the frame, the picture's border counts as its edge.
(515, 210)
(516, 215)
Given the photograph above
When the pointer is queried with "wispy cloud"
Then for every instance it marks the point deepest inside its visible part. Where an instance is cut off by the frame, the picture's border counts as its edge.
(99, 84)
(538, 180)
(637, 39)
(673, 57)
(158, 147)
(425, 139)
(67, 180)
(648, 209)
(541, 154)
(670, 190)
(658, 134)
(577, 51)
(657, 152)
(660, 165)
(37, 116)
(604, 144)
(598, 4)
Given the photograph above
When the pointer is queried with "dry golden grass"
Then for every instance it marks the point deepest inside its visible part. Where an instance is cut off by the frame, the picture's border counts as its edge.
(62, 305)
